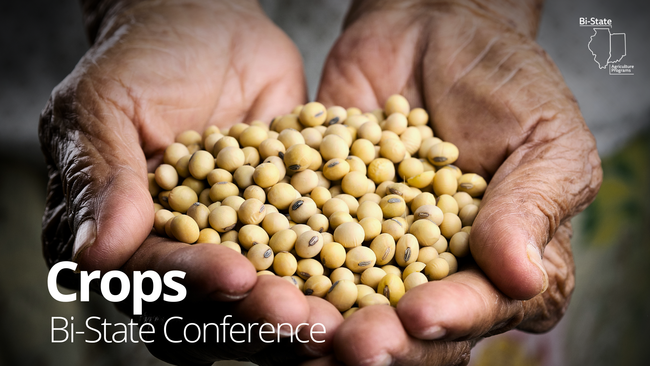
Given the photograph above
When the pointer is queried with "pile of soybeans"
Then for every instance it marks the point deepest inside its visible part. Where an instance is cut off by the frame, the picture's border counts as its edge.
(357, 208)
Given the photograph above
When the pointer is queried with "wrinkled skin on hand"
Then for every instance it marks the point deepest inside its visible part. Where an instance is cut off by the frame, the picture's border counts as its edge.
(156, 69)
(494, 93)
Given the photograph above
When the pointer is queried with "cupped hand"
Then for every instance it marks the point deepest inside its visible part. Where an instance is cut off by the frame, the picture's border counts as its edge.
(492, 91)
(157, 68)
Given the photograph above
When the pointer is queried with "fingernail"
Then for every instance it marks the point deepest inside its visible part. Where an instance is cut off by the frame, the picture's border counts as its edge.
(222, 296)
(435, 332)
(86, 235)
(535, 257)
(381, 360)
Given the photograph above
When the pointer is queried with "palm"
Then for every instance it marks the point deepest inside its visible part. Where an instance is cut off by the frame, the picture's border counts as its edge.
(494, 94)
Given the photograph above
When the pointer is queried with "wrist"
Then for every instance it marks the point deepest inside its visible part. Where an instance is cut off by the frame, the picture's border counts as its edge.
(98, 15)
(521, 16)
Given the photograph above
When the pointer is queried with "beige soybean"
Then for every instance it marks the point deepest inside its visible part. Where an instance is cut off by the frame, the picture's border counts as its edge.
(222, 190)
(459, 244)
(468, 214)
(451, 261)
(251, 235)
(392, 205)
(444, 182)
(441, 244)
(298, 157)
(414, 279)
(281, 195)
(204, 197)
(333, 146)
(196, 185)
(189, 137)
(181, 198)
(209, 235)
(392, 287)
(332, 255)
(341, 273)
(243, 176)
(160, 219)
(354, 184)
(371, 228)
(309, 267)
(406, 250)
(335, 205)
(472, 183)
(364, 150)
(338, 218)
(304, 181)
(437, 269)
(447, 204)
(320, 195)
(381, 170)
(451, 224)
(154, 188)
(442, 153)
(252, 136)
(219, 175)
(373, 299)
(349, 234)
(237, 129)
(251, 156)
(223, 219)
(363, 291)
(313, 114)
(360, 258)
(372, 276)
(309, 244)
(394, 227)
(418, 117)
(274, 222)
(427, 254)
(392, 149)
(426, 232)
(296, 281)
(318, 222)
(283, 240)
(414, 267)
(342, 294)
(317, 285)
(174, 152)
(397, 104)
(199, 212)
(429, 212)
(422, 180)
(266, 175)
(261, 256)
(166, 177)
(184, 229)
(336, 169)
(271, 147)
(300, 228)
(384, 247)
(231, 235)
(286, 121)
(302, 209)
(463, 199)
(335, 115)
(370, 131)
(285, 264)
(233, 201)
(251, 211)
(256, 192)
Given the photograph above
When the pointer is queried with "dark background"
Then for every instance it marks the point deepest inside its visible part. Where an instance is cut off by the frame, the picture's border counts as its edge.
(41, 41)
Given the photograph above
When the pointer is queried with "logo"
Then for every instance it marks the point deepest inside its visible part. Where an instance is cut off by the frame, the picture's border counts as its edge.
(606, 47)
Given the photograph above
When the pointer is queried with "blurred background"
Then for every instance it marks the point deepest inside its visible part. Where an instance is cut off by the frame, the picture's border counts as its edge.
(41, 41)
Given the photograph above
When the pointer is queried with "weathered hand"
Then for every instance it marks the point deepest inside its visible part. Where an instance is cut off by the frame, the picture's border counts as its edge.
(157, 68)
(493, 92)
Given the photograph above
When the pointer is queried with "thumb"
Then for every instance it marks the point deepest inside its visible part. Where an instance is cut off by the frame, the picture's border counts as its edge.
(98, 208)
(553, 176)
